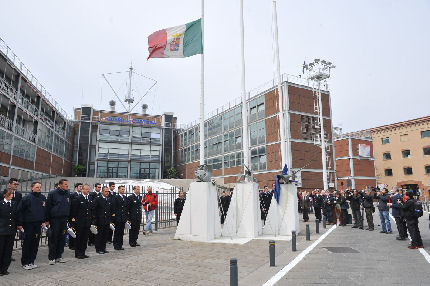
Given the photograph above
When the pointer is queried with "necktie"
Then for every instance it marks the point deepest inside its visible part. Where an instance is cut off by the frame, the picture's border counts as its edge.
(8, 204)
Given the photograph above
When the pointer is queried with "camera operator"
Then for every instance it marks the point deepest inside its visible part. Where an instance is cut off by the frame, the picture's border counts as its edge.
(328, 207)
(369, 209)
(355, 200)
(412, 221)
(384, 216)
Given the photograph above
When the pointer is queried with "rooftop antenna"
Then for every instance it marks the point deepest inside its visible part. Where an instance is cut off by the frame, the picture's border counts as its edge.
(129, 97)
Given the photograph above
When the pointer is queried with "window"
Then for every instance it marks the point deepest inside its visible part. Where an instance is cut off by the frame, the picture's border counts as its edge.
(258, 158)
(112, 169)
(385, 140)
(425, 134)
(426, 150)
(427, 169)
(257, 133)
(403, 137)
(407, 170)
(387, 156)
(388, 172)
(406, 153)
(140, 170)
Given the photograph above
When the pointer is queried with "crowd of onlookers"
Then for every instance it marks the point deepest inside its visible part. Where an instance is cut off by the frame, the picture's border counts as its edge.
(340, 207)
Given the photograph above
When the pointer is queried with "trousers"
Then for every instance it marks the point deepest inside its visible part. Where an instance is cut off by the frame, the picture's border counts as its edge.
(401, 227)
(118, 236)
(82, 233)
(6, 247)
(30, 246)
(58, 238)
(369, 218)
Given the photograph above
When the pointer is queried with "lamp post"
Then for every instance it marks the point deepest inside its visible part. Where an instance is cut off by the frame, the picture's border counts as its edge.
(319, 71)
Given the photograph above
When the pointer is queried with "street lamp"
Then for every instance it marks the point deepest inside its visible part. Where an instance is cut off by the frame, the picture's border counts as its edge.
(319, 71)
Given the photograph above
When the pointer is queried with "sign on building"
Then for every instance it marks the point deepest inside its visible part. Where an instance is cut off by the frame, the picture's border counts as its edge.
(363, 150)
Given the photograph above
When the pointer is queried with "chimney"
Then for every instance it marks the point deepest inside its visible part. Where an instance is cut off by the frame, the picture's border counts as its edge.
(144, 108)
(112, 105)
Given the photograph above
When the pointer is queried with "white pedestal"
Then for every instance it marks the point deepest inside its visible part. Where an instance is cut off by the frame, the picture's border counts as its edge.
(288, 210)
(271, 228)
(243, 216)
(200, 217)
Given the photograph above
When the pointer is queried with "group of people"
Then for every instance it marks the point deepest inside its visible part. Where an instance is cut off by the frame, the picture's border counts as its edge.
(334, 205)
(93, 216)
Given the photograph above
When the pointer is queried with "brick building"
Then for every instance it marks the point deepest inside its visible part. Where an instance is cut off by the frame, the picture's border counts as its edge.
(35, 133)
(355, 165)
(223, 137)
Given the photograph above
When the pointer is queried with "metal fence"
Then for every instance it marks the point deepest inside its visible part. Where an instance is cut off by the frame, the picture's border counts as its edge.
(163, 218)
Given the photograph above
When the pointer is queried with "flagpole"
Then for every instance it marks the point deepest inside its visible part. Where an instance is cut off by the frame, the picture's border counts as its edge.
(245, 137)
(280, 95)
(202, 94)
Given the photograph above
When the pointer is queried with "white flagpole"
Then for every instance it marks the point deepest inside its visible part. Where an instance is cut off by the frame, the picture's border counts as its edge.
(245, 137)
(280, 95)
(202, 94)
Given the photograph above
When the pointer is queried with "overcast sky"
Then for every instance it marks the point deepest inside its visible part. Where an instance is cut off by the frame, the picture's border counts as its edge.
(381, 50)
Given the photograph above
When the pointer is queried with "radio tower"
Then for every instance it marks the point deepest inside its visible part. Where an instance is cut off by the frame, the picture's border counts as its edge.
(319, 71)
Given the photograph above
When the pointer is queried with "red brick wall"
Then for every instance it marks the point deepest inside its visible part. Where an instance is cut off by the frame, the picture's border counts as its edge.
(312, 180)
(17, 161)
(361, 184)
(233, 170)
(67, 168)
(4, 158)
(342, 168)
(266, 179)
(272, 129)
(273, 155)
(43, 160)
(57, 165)
(271, 101)
(364, 168)
(295, 126)
(341, 148)
(306, 153)
(4, 171)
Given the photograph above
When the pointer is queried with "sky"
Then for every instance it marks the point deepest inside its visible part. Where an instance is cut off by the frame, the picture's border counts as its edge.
(381, 50)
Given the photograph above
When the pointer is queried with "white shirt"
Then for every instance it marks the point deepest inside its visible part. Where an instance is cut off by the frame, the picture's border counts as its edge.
(7, 202)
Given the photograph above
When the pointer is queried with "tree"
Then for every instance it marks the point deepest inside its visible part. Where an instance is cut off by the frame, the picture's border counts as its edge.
(79, 170)
(172, 173)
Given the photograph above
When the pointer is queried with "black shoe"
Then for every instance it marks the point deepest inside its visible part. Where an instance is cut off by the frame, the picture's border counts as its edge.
(360, 227)
(86, 256)
(132, 245)
(100, 252)
(105, 251)
(80, 257)
(401, 238)
(367, 228)
(119, 248)
(389, 232)
(371, 229)
(382, 231)
(137, 244)
(354, 226)
(5, 273)
(12, 259)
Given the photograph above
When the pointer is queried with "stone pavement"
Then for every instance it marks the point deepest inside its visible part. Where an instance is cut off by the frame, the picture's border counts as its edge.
(163, 261)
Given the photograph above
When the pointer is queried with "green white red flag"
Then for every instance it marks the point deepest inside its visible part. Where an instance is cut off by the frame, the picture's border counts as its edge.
(176, 42)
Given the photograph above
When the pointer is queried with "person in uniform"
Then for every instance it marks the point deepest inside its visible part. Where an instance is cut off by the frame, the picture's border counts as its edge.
(7, 230)
(344, 206)
(72, 222)
(179, 205)
(120, 209)
(412, 220)
(306, 204)
(398, 215)
(317, 201)
(222, 204)
(112, 194)
(13, 185)
(81, 212)
(368, 209)
(93, 195)
(328, 207)
(103, 211)
(134, 212)
(31, 215)
(57, 213)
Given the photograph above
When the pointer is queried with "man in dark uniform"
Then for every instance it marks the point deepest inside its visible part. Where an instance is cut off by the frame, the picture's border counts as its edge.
(31, 214)
(134, 212)
(112, 194)
(93, 195)
(306, 204)
(13, 185)
(224, 203)
(397, 212)
(103, 211)
(7, 230)
(355, 200)
(179, 205)
(121, 215)
(412, 221)
(328, 207)
(72, 222)
(57, 213)
(81, 212)
(317, 201)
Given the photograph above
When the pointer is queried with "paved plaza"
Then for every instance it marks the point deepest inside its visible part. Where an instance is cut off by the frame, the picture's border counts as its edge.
(345, 257)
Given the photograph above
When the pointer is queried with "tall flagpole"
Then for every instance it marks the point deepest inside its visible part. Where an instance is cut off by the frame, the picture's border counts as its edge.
(280, 95)
(245, 137)
(202, 94)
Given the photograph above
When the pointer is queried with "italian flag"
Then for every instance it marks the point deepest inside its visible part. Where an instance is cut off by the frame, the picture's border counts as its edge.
(176, 42)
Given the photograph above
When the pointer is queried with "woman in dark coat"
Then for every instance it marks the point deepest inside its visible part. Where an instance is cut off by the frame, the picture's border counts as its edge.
(7, 230)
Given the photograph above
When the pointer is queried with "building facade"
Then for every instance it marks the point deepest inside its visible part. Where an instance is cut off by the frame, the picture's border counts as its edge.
(111, 144)
(355, 165)
(402, 154)
(223, 137)
(35, 133)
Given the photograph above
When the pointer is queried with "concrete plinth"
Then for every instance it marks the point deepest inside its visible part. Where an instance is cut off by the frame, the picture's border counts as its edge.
(243, 216)
(200, 216)
(288, 210)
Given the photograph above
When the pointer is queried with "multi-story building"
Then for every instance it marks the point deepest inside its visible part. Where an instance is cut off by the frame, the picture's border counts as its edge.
(35, 134)
(355, 165)
(223, 137)
(402, 153)
(111, 144)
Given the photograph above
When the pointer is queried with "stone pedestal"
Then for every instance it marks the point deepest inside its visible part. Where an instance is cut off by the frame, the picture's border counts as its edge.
(288, 210)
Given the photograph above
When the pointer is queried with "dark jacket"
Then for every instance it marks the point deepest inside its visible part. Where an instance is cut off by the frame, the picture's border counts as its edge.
(120, 208)
(355, 201)
(7, 218)
(179, 205)
(343, 203)
(328, 202)
(397, 209)
(103, 211)
(32, 208)
(134, 208)
(58, 204)
(409, 209)
(383, 200)
(224, 201)
(317, 201)
(367, 201)
(94, 195)
(305, 202)
(17, 197)
(81, 211)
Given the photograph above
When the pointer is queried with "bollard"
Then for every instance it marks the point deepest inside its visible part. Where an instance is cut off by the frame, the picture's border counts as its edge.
(317, 226)
(233, 272)
(308, 232)
(324, 222)
(293, 240)
(156, 215)
(272, 252)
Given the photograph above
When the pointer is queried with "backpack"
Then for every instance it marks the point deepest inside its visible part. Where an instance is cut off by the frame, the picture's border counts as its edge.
(418, 209)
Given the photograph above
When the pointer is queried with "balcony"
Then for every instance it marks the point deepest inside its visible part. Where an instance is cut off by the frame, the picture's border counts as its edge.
(7, 88)
(26, 104)
(25, 133)
(6, 122)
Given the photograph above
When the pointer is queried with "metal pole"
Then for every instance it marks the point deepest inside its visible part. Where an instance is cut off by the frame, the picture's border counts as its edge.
(280, 95)
(202, 94)
(233, 272)
(317, 226)
(245, 137)
(293, 241)
(156, 214)
(272, 252)
(308, 232)
(323, 149)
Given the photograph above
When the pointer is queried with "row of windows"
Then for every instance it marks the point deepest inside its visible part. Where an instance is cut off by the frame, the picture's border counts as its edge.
(406, 171)
(138, 170)
(405, 153)
(125, 151)
(404, 137)
(109, 132)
